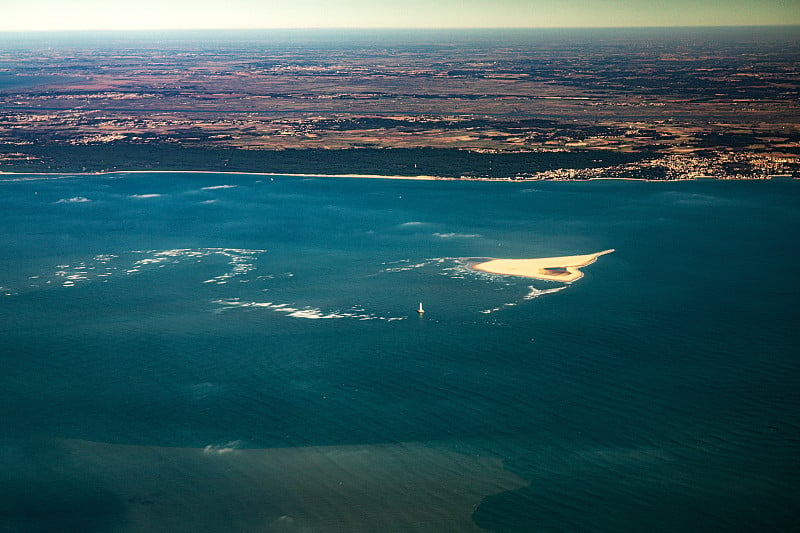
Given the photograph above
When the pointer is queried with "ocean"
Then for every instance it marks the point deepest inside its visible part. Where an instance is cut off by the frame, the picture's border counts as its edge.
(229, 352)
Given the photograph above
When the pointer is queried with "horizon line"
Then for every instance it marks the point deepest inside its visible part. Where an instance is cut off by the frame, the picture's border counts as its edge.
(399, 28)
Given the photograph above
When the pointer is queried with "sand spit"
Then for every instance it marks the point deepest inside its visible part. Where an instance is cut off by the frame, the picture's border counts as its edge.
(565, 269)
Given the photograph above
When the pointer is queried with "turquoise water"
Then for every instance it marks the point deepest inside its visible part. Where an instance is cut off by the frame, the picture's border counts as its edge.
(152, 323)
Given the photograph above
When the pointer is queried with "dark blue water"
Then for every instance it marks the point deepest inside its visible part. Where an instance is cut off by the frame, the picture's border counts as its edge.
(146, 316)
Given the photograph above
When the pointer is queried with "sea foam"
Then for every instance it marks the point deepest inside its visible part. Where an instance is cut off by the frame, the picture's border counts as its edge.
(308, 312)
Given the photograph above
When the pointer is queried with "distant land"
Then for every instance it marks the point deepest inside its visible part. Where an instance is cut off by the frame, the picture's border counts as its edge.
(657, 104)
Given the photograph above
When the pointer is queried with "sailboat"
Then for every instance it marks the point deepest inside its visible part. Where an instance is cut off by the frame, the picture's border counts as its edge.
(420, 310)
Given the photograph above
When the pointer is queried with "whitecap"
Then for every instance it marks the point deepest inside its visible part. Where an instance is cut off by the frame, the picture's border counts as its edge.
(535, 293)
(457, 235)
(147, 261)
(74, 200)
(411, 224)
(215, 187)
(405, 264)
(220, 449)
(405, 268)
(496, 309)
(311, 313)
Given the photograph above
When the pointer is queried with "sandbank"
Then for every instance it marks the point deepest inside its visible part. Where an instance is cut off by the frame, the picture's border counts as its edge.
(420, 487)
(565, 268)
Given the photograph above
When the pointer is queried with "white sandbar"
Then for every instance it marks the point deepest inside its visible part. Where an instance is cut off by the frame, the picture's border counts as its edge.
(566, 268)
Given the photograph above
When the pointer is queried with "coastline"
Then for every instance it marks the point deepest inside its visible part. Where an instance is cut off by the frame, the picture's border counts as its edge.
(564, 268)
(234, 173)
(371, 176)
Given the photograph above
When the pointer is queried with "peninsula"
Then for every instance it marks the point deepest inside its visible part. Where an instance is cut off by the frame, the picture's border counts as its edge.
(566, 268)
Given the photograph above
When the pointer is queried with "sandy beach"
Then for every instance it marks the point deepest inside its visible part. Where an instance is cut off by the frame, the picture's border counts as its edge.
(516, 179)
(266, 174)
(565, 268)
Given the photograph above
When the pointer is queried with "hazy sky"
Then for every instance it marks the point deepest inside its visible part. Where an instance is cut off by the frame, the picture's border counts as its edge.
(26, 15)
